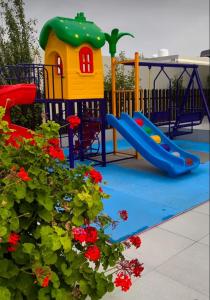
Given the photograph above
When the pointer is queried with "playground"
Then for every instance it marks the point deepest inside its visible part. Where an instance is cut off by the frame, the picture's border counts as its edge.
(155, 161)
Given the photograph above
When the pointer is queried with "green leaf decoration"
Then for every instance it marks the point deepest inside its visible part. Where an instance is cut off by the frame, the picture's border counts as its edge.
(114, 38)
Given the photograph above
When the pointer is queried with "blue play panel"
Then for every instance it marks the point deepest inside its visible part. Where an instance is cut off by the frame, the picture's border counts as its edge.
(150, 198)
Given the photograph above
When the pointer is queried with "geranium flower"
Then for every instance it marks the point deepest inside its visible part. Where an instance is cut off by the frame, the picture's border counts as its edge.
(136, 267)
(79, 234)
(91, 235)
(123, 215)
(124, 281)
(74, 121)
(13, 238)
(53, 142)
(45, 281)
(23, 175)
(95, 176)
(11, 249)
(93, 253)
(135, 241)
(56, 152)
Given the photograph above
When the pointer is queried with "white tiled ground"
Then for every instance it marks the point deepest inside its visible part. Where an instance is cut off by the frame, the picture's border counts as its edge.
(176, 258)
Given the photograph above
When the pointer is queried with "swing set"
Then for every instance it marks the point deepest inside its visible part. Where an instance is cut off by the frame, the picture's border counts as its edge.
(186, 113)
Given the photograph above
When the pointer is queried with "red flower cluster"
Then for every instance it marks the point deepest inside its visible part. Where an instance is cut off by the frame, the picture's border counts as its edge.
(79, 234)
(93, 253)
(23, 175)
(56, 152)
(88, 235)
(13, 140)
(13, 241)
(135, 241)
(45, 281)
(123, 280)
(136, 267)
(53, 142)
(95, 176)
(74, 121)
(123, 215)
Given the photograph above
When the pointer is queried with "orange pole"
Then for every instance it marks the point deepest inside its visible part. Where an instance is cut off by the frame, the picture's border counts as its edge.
(114, 112)
(136, 68)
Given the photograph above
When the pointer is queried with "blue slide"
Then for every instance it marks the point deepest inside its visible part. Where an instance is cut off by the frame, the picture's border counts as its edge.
(165, 154)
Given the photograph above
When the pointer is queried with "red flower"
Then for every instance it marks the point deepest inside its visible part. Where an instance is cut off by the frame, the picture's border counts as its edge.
(93, 253)
(53, 142)
(11, 249)
(23, 175)
(13, 238)
(140, 122)
(95, 176)
(56, 152)
(123, 215)
(123, 280)
(12, 141)
(100, 190)
(91, 234)
(45, 281)
(135, 241)
(74, 121)
(79, 234)
(136, 267)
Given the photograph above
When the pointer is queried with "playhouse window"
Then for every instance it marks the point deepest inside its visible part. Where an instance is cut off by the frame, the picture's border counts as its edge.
(59, 65)
(86, 60)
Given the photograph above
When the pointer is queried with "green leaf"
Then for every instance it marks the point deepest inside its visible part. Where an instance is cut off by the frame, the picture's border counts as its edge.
(28, 248)
(8, 269)
(3, 230)
(20, 192)
(66, 243)
(50, 258)
(44, 294)
(45, 200)
(83, 286)
(5, 293)
(45, 215)
(78, 221)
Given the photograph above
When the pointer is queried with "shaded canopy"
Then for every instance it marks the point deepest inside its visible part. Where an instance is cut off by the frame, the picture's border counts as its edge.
(73, 31)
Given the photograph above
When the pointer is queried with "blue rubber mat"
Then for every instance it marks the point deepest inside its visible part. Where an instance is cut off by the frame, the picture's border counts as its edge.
(150, 198)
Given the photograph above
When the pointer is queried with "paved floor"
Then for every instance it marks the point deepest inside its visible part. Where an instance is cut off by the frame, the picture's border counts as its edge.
(176, 259)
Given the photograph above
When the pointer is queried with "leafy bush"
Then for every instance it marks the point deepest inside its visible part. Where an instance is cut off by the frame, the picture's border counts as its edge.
(49, 247)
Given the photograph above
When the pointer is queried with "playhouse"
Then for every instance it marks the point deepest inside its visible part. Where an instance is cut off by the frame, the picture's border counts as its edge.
(74, 46)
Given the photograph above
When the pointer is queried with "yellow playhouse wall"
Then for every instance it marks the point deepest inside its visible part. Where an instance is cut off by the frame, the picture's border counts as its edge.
(76, 85)
(55, 46)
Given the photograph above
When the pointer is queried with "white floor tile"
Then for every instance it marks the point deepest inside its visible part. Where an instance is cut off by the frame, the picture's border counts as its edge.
(190, 268)
(192, 225)
(205, 240)
(203, 208)
(158, 246)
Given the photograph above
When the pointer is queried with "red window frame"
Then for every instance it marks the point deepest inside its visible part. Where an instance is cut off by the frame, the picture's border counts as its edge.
(59, 64)
(86, 60)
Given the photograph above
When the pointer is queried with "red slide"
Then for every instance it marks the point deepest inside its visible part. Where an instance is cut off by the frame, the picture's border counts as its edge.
(11, 95)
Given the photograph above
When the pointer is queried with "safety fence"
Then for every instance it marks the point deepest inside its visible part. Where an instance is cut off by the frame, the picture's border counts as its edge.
(158, 100)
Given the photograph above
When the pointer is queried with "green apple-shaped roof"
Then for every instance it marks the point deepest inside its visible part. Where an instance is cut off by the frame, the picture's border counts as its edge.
(73, 31)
